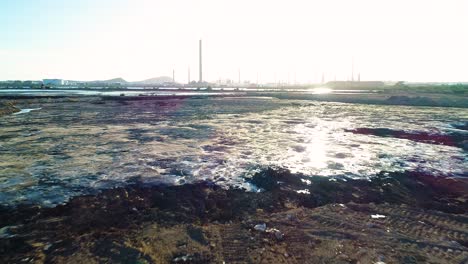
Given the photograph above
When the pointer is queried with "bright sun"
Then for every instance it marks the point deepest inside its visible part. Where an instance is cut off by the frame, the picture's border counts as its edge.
(322, 90)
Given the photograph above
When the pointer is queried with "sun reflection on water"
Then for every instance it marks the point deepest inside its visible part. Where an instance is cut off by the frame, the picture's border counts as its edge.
(322, 90)
(314, 149)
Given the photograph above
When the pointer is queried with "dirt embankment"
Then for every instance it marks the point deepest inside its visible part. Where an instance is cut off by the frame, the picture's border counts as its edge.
(7, 108)
(454, 139)
(381, 98)
(396, 218)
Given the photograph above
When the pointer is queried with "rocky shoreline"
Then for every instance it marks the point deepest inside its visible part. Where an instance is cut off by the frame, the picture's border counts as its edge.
(394, 218)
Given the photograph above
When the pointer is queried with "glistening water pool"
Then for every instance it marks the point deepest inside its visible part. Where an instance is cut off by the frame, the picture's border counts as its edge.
(70, 148)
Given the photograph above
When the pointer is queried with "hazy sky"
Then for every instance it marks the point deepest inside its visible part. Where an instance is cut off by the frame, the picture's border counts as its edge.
(413, 40)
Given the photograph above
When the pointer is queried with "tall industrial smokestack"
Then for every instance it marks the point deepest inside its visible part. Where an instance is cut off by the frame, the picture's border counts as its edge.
(201, 69)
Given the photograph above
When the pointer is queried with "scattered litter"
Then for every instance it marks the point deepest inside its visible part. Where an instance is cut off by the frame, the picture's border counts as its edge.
(182, 258)
(305, 191)
(277, 233)
(308, 182)
(377, 216)
(260, 227)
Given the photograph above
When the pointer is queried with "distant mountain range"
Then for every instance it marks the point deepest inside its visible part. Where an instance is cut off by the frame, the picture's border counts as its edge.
(155, 80)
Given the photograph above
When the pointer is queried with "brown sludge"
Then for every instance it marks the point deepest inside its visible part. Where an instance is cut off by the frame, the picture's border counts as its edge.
(7, 108)
(404, 218)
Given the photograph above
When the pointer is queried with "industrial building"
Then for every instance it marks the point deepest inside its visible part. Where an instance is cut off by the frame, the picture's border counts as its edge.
(56, 82)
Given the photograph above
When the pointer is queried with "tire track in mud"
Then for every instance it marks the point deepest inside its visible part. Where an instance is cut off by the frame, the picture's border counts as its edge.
(437, 218)
(234, 246)
(424, 225)
(403, 235)
(438, 237)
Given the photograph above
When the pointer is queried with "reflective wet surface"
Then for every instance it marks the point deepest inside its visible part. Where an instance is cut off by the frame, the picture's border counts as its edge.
(75, 146)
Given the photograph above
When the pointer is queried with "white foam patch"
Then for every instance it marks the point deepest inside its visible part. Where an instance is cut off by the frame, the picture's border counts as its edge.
(26, 110)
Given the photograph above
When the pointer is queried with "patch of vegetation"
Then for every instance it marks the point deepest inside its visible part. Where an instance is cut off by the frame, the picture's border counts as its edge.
(453, 89)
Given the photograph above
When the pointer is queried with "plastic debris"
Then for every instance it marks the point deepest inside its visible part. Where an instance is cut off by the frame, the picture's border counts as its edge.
(377, 216)
(260, 227)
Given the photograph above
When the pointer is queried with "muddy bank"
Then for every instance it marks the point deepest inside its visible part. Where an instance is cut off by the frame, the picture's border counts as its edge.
(453, 139)
(395, 218)
(382, 98)
(8, 107)
(373, 97)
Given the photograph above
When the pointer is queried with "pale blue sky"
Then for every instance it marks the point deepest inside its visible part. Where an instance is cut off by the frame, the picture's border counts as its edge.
(417, 40)
(36, 24)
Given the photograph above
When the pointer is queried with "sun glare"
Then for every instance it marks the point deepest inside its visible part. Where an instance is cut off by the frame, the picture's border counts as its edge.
(322, 90)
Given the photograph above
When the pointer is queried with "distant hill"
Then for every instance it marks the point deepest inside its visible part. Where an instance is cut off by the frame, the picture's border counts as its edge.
(116, 80)
(156, 80)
